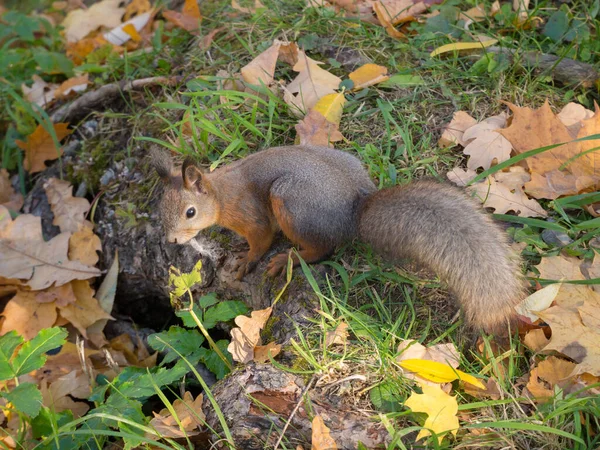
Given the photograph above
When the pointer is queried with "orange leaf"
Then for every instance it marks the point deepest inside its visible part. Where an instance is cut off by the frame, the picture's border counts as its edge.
(132, 32)
(188, 18)
(75, 84)
(40, 147)
(190, 8)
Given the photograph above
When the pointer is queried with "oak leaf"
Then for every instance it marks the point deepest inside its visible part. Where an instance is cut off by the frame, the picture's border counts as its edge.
(9, 198)
(441, 410)
(40, 147)
(189, 414)
(84, 246)
(69, 212)
(81, 22)
(26, 256)
(454, 131)
(321, 436)
(263, 353)
(247, 335)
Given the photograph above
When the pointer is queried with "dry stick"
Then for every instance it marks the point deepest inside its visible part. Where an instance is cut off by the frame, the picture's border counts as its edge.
(287, 424)
(107, 92)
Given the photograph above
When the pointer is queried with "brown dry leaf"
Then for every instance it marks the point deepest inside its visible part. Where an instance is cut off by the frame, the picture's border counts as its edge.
(86, 310)
(475, 14)
(61, 295)
(135, 8)
(453, 132)
(189, 413)
(549, 373)
(321, 436)
(81, 22)
(26, 315)
(57, 395)
(247, 336)
(314, 129)
(207, 40)
(261, 70)
(262, 352)
(311, 84)
(368, 75)
(9, 198)
(339, 336)
(135, 354)
(40, 147)
(384, 20)
(26, 256)
(560, 267)
(485, 145)
(506, 194)
(521, 7)
(571, 116)
(40, 92)
(535, 340)
(69, 212)
(538, 301)
(288, 53)
(75, 84)
(492, 389)
(189, 18)
(398, 11)
(84, 245)
(249, 10)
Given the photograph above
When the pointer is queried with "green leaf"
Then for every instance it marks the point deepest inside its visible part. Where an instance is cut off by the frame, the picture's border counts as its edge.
(26, 398)
(186, 317)
(48, 420)
(186, 342)
(139, 383)
(52, 62)
(208, 300)
(8, 343)
(402, 80)
(31, 355)
(557, 26)
(223, 312)
(386, 397)
(181, 283)
(213, 362)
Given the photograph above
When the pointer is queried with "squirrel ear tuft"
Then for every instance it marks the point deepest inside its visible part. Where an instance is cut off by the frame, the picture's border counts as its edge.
(191, 174)
(162, 163)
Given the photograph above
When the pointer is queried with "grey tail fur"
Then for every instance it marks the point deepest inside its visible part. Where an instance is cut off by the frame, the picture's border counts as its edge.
(438, 226)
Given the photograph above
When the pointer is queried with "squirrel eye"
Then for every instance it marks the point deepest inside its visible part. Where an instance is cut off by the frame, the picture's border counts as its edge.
(191, 212)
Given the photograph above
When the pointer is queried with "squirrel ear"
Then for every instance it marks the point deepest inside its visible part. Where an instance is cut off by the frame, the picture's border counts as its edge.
(162, 163)
(190, 173)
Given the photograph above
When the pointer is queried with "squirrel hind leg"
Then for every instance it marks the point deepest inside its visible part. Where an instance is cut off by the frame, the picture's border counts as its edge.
(278, 263)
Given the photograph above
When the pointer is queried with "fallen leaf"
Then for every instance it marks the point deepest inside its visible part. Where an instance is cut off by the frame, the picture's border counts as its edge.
(368, 75)
(189, 18)
(40, 147)
(438, 372)
(442, 353)
(69, 212)
(398, 11)
(453, 132)
(84, 245)
(249, 10)
(492, 390)
(459, 46)
(75, 84)
(40, 92)
(9, 198)
(535, 340)
(331, 107)
(339, 336)
(571, 115)
(78, 51)
(538, 301)
(247, 335)
(261, 70)
(311, 83)
(560, 267)
(314, 129)
(189, 414)
(550, 373)
(485, 145)
(441, 410)
(135, 8)
(384, 19)
(207, 40)
(86, 310)
(262, 352)
(128, 30)
(81, 22)
(321, 436)
(26, 256)
(57, 395)
(475, 14)
(26, 315)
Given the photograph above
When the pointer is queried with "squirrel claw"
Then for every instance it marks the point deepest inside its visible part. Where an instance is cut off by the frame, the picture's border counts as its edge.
(243, 267)
(277, 265)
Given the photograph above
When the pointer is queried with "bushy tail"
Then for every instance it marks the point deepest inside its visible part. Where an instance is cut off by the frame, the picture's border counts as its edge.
(437, 225)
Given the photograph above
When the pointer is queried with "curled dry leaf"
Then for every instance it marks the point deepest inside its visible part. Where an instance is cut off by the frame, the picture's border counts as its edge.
(321, 436)
(485, 145)
(247, 336)
(57, 395)
(40, 147)
(81, 22)
(398, 11)
(69, 212)
(538, 301)
(189, 414)
(75, 84)
(453, 132)
(9, 198)
(40, 92)
(26, 256)
(368, 75)
(441, 410)
(550, 373)
(26, 315)
(189, 17)
(339, 336)
(128, 30)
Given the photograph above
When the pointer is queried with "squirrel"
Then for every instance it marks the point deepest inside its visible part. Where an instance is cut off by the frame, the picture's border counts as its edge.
(320, 197)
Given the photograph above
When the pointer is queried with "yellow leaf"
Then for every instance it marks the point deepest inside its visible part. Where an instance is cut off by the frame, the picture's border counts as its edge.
(438, 372)
(132, 32)
(40, 147)
(441, 410)
(458, 46)
(331, 107)
(368, 75)
(321, 437)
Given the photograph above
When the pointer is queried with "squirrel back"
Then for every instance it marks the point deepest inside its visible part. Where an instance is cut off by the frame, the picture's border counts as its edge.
(437, 225)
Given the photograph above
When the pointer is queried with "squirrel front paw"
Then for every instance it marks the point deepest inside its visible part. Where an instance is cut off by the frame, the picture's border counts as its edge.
(277, 265)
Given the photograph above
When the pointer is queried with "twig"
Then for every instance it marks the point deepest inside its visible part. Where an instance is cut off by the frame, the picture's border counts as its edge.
(287, 424)
(106, 93)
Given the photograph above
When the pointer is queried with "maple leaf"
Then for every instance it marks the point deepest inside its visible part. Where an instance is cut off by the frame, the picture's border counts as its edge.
(26, 256)
(321, 436)
(441, 410)
(40, 92)
(9, 198)
(535, 340)
(547, 374)
(247, 336)
(84, 245)
(368, 75)
(311, 83)
(189, 17)
(315, 129)
(263, 352)
(560, 267)
(40, 147)
(453, 132)
(81, 22)
(571, 116)
(69, 212)
(486, 144)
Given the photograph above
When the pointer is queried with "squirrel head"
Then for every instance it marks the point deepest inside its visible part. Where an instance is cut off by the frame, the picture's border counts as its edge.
(187, 205)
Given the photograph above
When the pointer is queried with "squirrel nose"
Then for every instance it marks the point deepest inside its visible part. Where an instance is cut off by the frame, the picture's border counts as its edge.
(172, 239)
